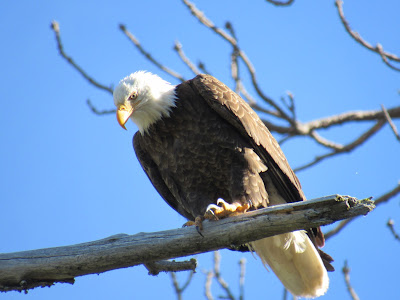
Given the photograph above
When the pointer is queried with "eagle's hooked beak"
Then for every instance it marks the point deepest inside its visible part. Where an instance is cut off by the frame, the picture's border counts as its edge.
(124, 111)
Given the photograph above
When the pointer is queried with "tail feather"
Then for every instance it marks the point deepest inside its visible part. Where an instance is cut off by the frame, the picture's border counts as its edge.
(294, 259)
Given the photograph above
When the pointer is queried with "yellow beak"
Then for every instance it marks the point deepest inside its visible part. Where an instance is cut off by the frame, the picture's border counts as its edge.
(124, 111)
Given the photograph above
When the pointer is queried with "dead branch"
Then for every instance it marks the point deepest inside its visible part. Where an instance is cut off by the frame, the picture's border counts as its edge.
(382, 199)
(44, 267)
(280, 3)
(346, 148)
(148, 56)
(56, 28)
(294, 128)
(99, 112)
(155, 267)
(217, 273)
(185, 59)
(390, 121)
(180, 289)
(200, 16)
(346, 273)
(242, 264)
(386, 56)
(390, 224)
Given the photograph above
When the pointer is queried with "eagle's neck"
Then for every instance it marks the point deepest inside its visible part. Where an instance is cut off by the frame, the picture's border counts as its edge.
(157, 105)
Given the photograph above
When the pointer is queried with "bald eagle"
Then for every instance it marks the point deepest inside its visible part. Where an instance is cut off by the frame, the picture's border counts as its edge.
(205, 150)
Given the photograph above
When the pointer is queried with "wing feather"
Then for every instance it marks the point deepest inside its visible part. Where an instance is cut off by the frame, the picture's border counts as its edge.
(153, 173)
(240, 115)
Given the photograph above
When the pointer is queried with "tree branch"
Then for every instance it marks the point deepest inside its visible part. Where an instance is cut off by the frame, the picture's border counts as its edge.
(346, 148)
(280, 3)
(390, 121)
(390, 224)
(29, 269)
(56, 28)
(155, 267)
(382, 199)
(346, 273)
(137, 44)
(200, 16)
(356, 36)
(185, 59)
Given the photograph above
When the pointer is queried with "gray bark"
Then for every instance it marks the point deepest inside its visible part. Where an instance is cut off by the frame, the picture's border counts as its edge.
(43, 267)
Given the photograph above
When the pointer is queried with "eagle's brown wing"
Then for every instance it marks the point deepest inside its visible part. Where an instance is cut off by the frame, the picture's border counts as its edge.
(153, 173)
(240, 115)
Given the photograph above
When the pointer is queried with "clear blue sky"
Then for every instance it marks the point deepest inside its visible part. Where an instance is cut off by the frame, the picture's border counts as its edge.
(69, 176)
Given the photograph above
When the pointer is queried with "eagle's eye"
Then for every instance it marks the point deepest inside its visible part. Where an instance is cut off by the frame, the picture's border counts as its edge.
(133, 96)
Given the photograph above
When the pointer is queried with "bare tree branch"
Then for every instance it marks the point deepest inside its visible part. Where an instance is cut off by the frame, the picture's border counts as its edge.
(218, 276)
(390, 121)
(203, 69)
(99, 112)
(137, 44)
(29, 269)
(207, 286)
(347, 148)
(231, 40)
(353, 116)
(295, 127)
(180, 289)
(56, 28)
(280, 3)
(356, 36)
(324, 142)
(346, 273)
(390, 224)
(185, 59)
(379, 48)
(382, 199)
(242, 264)
(155, 267)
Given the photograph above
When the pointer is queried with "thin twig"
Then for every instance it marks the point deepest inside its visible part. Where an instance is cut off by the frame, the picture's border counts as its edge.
(324, 142)
(280, 3)
(356, 36)
(217, 274)
(175, 284)
(207, 287)
(352, 116)
(346, 148)
(156, 267)
(382, 199)
(390, 121)
(231, 40)
(137, 44)
(99, 112)
(185, 59)
(234, 60)
(390, 224)
(56, 28)
(179, 290)
(291, 105)
(242, 265)
(346, 273)
(203, 69)
(384, 58)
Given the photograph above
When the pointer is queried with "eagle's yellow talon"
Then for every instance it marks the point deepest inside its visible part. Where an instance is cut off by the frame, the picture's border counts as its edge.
(224, 209)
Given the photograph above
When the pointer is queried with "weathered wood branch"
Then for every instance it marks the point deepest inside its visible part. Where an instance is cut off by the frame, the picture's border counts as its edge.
(28, 269)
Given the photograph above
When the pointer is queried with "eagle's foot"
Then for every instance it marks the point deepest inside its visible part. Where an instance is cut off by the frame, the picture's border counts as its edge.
(224, 209)
(198, 222)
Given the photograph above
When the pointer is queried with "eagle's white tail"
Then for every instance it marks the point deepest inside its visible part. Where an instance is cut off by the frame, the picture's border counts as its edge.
(295, 261)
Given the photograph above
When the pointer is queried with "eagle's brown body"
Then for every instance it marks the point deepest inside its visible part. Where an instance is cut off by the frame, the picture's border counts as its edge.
(213, 145)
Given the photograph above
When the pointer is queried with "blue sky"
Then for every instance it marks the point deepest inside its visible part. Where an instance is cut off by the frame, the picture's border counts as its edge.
(69, 176)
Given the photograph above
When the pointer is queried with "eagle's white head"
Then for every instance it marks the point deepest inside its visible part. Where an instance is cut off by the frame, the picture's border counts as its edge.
(143, 97)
